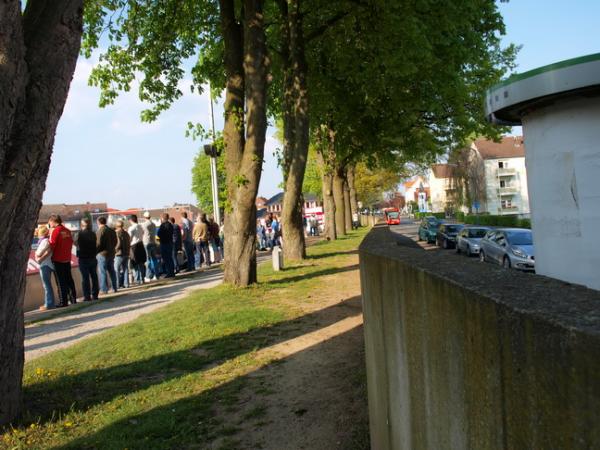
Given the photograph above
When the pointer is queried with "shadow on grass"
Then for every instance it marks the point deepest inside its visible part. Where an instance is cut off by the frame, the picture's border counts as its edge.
(318, 273)
(46, 400)
(332, 254)
(200, 421)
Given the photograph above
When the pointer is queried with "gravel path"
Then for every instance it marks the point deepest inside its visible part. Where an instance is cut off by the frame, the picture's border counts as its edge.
(69, 328)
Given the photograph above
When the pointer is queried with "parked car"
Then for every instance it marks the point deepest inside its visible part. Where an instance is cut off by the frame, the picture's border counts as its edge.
(469, 238)
(446, 234)
(428, 229)
(509, 247)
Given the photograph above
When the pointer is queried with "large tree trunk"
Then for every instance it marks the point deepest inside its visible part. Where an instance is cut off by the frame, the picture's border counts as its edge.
(39, 51)
(296, 133)
(350, 174)
(347, 207)
(246, 69)
(338, 198)
(328, 205)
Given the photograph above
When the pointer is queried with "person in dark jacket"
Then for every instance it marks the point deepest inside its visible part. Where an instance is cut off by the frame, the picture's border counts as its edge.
(88, 264)
(122, 255)
(165, 234)
(176, 243)
(106, 243)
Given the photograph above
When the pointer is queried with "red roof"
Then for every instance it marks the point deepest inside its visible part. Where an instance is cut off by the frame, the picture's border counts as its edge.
(508, 147)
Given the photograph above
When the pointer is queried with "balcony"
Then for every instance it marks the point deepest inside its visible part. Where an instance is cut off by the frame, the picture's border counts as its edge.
(507, 190)
(507, 172)
(509, 209)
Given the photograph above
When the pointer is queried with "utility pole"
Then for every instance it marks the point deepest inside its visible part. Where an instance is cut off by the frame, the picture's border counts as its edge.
(213, 165)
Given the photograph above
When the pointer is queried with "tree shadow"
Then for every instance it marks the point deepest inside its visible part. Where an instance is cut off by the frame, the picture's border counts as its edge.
(332, 254)
(48, 399)
(316, 274)
(283, 420)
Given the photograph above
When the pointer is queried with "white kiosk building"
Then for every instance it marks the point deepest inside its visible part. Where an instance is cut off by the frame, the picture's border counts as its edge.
(559, 108)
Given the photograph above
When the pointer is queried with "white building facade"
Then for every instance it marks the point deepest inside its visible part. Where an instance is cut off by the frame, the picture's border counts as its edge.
(505, 176)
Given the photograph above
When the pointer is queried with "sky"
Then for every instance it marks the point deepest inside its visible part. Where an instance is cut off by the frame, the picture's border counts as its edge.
(109, 155)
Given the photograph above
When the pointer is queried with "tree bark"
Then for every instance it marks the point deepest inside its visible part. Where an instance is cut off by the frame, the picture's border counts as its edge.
(350, 175)
(246, 66)
(347, 206)
(296, 130)
(39, 50)
(328, 202)
(338, 198)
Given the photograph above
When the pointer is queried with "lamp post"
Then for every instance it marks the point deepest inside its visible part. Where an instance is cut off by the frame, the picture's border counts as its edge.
(211, 150)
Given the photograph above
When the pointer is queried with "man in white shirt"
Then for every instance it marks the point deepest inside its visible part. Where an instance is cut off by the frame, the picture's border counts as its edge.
(149, 240)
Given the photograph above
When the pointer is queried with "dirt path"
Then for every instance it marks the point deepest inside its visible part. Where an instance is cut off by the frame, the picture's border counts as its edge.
(313, 394)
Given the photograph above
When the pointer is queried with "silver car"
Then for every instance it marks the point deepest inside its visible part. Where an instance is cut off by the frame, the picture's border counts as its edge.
(509, 247)
(468, 239)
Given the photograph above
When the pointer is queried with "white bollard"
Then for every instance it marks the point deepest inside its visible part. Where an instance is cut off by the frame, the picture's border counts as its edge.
(277, 258)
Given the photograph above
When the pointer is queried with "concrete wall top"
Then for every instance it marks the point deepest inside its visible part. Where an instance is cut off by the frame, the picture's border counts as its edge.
(569, 306)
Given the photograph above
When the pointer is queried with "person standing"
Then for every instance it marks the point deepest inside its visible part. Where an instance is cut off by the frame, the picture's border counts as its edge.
(61, 242)
(213, 228)
(165, 234)
(187, 239)
(201, 238)
(88, 264)
(150, 246)
(106, 243)
(122, 255)
(137, 251)
(43, 255)
(276, 231)
(176, 243)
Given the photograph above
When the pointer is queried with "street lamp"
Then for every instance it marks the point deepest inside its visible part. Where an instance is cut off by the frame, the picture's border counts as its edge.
(212, 151)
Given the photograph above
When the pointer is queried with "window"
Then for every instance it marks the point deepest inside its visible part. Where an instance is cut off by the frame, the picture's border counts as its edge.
(506, 204)
(502, 183)
(502, 165)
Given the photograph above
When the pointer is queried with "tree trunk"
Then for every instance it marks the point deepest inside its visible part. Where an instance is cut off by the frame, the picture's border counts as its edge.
(39, 49)
(338, 198)
(296, 133)
(246, 71)
(347, 207)
(350, 175)
(328, 203)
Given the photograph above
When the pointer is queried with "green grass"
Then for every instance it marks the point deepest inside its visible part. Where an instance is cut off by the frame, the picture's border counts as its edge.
(161, 380)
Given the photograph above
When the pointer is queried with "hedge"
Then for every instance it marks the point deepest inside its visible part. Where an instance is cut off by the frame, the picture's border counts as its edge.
(498, 221)
(420, 215)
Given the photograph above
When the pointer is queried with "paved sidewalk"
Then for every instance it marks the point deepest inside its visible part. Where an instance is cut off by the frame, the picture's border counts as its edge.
(77, 323)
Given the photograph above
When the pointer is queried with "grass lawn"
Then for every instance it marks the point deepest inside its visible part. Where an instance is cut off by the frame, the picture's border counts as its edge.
(158, 381)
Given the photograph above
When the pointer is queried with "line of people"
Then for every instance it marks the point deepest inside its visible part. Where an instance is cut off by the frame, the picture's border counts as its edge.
(107, 255)
(268, 232)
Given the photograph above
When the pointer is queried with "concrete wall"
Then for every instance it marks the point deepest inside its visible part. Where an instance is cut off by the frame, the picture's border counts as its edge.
(368, 221)
(34, 290)
(563, 161)
(470, 356)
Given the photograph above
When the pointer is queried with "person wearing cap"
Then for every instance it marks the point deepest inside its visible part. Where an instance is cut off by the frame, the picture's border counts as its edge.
(43, 255)
(149, 240)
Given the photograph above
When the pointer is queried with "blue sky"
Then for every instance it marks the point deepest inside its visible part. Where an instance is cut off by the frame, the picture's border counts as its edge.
(109, 155)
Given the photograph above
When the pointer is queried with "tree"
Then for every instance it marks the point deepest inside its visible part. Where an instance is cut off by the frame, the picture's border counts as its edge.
(202, 185)
(313, 183)
(372, 184)
(39, 48)
(155, 42)
(417, 74)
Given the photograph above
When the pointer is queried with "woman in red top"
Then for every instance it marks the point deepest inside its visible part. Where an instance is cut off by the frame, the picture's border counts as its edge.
(61, 242)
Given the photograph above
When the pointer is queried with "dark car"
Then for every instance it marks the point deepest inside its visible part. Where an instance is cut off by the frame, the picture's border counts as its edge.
(428, 229)
(509, 247)
(446, 234)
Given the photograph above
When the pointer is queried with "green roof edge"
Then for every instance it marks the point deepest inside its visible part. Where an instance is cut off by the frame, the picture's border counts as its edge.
(548, 68)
